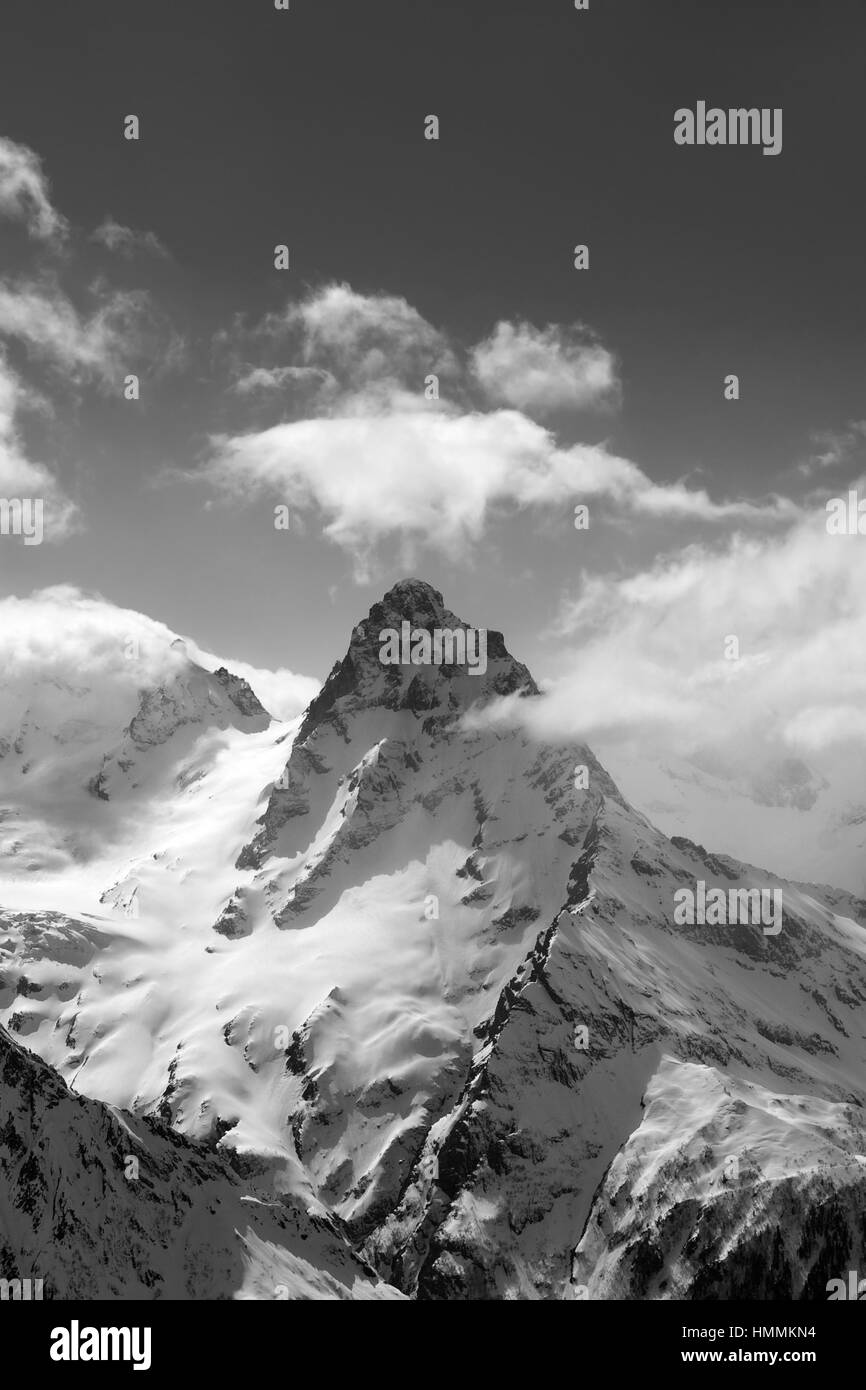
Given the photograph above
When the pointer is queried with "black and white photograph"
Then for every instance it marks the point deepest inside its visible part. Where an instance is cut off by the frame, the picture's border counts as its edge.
(432, 665)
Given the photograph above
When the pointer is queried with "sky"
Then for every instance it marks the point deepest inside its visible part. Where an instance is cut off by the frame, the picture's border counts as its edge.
(305, 386)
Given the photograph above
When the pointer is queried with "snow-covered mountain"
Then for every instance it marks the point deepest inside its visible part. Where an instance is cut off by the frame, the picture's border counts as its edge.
(98, 1203)
(424, 977)
(70, 749)
(805, 821)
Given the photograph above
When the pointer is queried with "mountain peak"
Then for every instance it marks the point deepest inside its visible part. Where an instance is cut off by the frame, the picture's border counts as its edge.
(412, 599)
(411, 652)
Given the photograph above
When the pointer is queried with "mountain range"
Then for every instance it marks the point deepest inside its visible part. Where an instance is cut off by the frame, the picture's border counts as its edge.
(396, 998)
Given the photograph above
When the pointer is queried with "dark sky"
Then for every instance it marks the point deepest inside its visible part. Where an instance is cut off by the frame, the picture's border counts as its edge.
(260, 126)
(556, 127)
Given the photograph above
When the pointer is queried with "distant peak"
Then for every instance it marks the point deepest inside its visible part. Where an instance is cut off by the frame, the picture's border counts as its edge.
(240, 692)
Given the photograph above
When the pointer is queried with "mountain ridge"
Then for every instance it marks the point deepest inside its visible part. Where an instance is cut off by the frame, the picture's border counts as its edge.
(364, 978)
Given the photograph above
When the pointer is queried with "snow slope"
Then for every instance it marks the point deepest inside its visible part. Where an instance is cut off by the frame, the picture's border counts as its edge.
(726, 1185)
(100, 1204)
(804, 822)
(353, 956)
(82, 770)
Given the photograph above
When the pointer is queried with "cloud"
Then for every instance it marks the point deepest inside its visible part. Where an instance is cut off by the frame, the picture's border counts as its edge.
(61, 633)
(74, 668)
(121, 329)
(347, 344)
(340, 343)
(379, 461)
(368, 338)
(835, 448)
(100, 343)
(21, 477)
(24, 192)
(541, 371)
(125, 241)
(642, 657)
(118, 328)
(425, 473)
(61, 640)
(255, 379)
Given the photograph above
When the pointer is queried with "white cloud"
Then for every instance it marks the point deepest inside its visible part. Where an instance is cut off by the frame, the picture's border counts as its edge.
(380, 462)
(62, 633)
(261, 379)
(643, 658)
(125, 241)
(101, 343)
(545, 370)
(21, 477)
(74, 668)
(380, 343)
(121, 328)
(369, 338)
(401, 467)
(341, 343)
(24, 192)
(60, 638)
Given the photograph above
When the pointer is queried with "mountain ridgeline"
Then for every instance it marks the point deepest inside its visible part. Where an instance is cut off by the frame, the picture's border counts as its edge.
(417, 979)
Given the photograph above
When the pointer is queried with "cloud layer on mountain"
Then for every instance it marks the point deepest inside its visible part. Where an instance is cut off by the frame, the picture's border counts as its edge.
(61, 640)
(643, 656)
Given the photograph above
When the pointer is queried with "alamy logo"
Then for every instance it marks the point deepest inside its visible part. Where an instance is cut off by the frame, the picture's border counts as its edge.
(25, 1290)
(444, 647)
(846, 518)
(856, 1290)
(75, 1343)
(736, 126)
(22, 516)
(714, 907)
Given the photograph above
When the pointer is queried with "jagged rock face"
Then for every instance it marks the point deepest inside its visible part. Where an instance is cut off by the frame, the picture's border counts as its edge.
(437, 988)
(726, 1190)
(241, 694)
(450, 850)
(507, 1185)
(361, 684)
(99, 1204)
(195, 698)
(360, 681)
